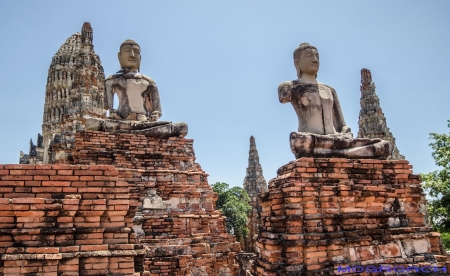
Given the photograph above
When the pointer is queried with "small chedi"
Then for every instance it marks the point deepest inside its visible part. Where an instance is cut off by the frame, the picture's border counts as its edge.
(254, 184)
(372, 122)
(322, 131)
(357, 215)
(139, 104)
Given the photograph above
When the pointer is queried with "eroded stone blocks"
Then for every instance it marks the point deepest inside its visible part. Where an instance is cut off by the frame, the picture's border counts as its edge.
(323, 213)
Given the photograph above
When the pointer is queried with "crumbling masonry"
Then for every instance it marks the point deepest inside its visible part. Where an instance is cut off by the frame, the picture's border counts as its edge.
(75, 87)
(372, 122)
(104, 203)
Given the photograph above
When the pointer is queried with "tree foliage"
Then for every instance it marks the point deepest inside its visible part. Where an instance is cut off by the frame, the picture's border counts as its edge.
(437, 183)
(234, 204)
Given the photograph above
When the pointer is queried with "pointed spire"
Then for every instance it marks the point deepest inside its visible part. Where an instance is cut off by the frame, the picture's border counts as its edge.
(372, 122)
(254, 183)
(254, 180)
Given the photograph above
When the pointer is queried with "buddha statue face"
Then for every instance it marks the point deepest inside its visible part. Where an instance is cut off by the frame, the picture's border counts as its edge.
(306, 60)
(130, 55)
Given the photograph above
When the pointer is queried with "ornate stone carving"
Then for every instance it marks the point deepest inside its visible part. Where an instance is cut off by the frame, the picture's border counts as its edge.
(75, 87)
(372, 122)
(322, 131)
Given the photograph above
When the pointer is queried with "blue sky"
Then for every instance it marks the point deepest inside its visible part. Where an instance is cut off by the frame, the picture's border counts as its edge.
(218, 64)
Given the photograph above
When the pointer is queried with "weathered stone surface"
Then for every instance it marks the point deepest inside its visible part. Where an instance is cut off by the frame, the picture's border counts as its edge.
(316, 145)
(159, 129)
(254, 183)
(372, 122)
(322, 131)
(322, 213)
(153, 201)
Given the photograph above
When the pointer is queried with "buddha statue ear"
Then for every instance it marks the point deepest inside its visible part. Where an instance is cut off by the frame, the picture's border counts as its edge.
(139, 67)
(120, 61)
(297, 68)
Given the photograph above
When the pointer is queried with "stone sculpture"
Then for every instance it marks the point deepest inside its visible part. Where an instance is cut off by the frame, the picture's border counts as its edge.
(137, 93)
(322, 131)
(139, 105)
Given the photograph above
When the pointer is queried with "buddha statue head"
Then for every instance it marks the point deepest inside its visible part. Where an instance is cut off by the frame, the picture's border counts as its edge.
(306, 59)
(130, 55)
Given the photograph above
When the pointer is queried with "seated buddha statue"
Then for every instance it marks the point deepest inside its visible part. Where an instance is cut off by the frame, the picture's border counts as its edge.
(322, 131)
(139, 105)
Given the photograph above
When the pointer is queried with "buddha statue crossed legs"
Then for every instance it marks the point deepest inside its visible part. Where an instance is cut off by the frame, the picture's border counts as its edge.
(322, 131)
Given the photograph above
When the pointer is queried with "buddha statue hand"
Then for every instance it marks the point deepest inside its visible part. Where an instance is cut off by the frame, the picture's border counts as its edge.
(347, 132)
(154, 116)
(113, 114)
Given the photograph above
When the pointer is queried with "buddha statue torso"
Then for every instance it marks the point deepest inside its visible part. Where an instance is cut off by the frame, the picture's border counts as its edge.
(315, 105)
(137, 94)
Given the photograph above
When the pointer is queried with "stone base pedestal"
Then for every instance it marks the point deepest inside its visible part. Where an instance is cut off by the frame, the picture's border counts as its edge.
(339, 216)
(172, 203)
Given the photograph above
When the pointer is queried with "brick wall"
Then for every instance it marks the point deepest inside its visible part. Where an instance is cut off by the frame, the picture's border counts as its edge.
(323, 213)
(180, 229)
(65, 220)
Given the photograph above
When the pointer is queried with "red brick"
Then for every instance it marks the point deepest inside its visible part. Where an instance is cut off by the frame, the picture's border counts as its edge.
(12, 183)
(28, 200)
(94, 247)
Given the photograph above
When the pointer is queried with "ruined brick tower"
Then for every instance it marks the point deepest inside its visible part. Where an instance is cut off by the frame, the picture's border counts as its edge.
(372, 122)
(75, 87)
(254, 183)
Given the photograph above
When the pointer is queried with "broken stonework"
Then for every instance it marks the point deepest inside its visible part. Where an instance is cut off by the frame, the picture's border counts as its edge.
(372, 122)
(319, 214)
(172, 204)
(153, 201)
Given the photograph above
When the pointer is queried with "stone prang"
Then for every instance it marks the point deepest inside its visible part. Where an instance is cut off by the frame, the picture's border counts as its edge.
(75, 87)
(254, 183)
(372, 122)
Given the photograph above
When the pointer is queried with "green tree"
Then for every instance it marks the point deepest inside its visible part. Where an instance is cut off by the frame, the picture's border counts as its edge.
(437, 184)
(234, 204)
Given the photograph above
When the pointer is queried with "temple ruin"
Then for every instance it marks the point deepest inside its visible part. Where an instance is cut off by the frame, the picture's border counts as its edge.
(75, 87)
(126, 198)
(123, 195)
(372, 122)
(328, 215)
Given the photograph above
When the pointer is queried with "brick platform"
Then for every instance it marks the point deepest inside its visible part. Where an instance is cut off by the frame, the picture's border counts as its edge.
(65, 220)
(320, 214)
(182, 232)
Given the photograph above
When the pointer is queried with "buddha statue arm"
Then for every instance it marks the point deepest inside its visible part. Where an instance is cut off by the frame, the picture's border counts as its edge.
(108, 102)
(284, 92)
(153, 102)
(338, 116)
